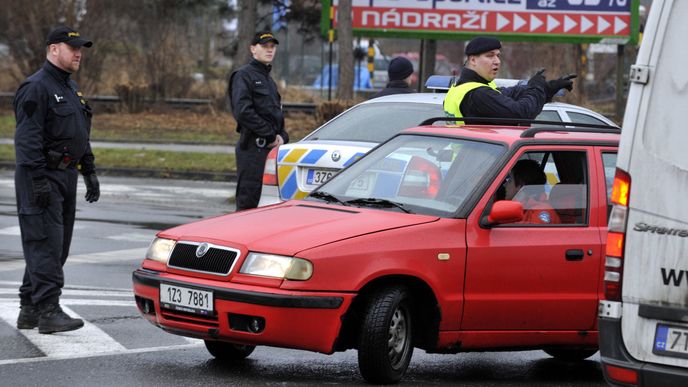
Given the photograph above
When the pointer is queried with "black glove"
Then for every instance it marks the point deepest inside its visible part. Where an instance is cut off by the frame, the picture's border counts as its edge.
(92, 188)
(41, 191)
(563, 82)
(538, 80)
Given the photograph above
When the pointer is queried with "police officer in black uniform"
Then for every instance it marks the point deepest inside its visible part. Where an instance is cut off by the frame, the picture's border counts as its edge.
(476, 95)
(51, 142)
(399, 72)
(257, 108)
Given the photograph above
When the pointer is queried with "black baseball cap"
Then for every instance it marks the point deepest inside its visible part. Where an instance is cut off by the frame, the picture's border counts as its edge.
(263, 37)
(482, 44)
(64, 34)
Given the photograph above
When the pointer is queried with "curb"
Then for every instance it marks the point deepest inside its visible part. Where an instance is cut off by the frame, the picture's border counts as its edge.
(155, 173)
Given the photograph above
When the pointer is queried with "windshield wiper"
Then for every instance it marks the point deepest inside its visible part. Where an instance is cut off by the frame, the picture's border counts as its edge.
(380, 203)
(326, 196)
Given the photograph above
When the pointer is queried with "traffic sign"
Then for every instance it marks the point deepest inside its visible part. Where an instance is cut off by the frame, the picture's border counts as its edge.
(566, 21)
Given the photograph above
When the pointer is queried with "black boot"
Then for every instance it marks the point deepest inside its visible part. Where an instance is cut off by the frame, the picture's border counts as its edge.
(53, 319)
(28, 317)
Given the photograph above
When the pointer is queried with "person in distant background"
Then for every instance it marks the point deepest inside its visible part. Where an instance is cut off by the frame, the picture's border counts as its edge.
(400, 70)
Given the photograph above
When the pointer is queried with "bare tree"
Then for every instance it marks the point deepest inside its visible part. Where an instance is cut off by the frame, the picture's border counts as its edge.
(345, 84)
(248, 15)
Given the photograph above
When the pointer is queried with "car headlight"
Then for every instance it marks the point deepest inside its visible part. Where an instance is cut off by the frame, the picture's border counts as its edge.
(160, 250)
(278, 266)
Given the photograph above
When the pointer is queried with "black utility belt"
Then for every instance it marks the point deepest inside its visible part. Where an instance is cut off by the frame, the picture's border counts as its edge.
(61, 161)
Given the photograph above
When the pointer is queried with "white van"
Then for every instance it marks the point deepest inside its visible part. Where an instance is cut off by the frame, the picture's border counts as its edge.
(643, 319)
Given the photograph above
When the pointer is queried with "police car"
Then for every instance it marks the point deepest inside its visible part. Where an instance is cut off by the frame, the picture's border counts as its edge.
(292, 171)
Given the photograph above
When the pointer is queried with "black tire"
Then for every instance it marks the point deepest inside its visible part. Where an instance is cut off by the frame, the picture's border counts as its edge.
(228, 351)
(385, 343)
(570, 354)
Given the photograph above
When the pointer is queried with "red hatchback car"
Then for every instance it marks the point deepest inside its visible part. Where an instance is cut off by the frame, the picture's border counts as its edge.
(436, 239)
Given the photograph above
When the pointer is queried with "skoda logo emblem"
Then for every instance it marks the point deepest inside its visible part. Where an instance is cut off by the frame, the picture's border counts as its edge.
(336, 156)
(202, 249)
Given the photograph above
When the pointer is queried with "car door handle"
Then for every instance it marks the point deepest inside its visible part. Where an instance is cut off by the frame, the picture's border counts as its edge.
(574, 255)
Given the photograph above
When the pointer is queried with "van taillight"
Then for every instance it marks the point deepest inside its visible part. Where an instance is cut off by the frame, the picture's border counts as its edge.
(270, 171)
(613, 264)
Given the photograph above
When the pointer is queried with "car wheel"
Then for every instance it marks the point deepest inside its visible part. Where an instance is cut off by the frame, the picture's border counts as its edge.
(228, 351)
(570, 354)
(385, 344)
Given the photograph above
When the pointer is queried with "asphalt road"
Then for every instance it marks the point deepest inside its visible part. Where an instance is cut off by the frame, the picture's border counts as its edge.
(118, 348)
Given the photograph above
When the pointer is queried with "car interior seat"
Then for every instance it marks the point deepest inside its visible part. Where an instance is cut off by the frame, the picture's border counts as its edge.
(569, 201)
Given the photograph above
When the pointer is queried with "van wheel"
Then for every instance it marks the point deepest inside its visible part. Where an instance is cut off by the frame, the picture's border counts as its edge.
(385, 344)
(228, 351)
(570, 354)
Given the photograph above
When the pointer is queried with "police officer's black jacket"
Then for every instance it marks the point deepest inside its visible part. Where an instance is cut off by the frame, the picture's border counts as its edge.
(394, 87)
(508, 102)
(256, 103)
(52, 115)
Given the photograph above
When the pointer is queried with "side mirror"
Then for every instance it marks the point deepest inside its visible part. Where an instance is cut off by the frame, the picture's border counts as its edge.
(504, 211)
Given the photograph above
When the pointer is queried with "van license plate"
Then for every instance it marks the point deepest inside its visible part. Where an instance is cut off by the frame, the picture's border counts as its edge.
(671, 340)
(318, 176)
(186, 299)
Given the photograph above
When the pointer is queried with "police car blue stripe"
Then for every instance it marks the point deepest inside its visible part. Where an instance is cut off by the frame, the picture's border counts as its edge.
(281, 153)
(313, 156)
(354, 158)
(289, 187)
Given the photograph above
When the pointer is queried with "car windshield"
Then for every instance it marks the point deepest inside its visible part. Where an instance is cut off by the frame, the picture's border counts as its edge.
(415, 174)
(376, 122)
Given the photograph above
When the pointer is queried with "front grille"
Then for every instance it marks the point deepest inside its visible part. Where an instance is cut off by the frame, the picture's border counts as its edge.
(217, 260)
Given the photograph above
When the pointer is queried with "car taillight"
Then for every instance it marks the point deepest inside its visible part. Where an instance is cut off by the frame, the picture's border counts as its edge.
(270, 171)
(422, 179)
(613, 264)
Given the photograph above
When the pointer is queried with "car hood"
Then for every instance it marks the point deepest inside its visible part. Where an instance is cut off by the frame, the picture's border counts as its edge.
(293, 226)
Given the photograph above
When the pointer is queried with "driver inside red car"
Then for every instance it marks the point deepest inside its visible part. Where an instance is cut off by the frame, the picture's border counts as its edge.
(526, 184)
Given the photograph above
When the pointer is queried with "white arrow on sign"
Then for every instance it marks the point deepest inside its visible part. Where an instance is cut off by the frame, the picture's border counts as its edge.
(552, 23)
(535, 23)
(501, 21)
(619, 24)
(602, 24)
(585, 24)
(518, 22)
(569, 23)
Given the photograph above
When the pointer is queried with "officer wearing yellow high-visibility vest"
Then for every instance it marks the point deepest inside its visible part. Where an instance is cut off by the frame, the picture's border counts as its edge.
(476, 95)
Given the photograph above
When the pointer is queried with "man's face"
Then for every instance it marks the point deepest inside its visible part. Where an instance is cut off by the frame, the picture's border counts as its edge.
(65, 57)
(511, 187)
(486, 64)
(264, 53)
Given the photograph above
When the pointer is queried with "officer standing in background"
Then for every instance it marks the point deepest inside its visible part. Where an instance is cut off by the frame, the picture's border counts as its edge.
(257, 108)
(476, 94)
(51, 141)
(399, 72)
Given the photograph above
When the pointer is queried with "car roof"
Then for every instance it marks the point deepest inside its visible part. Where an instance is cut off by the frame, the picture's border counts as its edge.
(513, 134)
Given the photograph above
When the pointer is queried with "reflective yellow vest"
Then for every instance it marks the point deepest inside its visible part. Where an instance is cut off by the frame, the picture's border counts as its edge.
(455, 96)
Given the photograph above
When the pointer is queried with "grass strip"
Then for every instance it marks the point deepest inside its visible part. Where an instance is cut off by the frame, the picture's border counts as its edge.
(151, 159)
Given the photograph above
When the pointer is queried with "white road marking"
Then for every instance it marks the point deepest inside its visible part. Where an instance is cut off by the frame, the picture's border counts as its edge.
(106, 256)
(85, 341)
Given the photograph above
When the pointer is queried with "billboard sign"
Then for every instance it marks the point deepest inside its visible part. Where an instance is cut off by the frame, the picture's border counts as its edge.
(564, 21)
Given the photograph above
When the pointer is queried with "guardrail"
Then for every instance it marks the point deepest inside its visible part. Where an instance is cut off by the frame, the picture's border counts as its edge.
(306, 107)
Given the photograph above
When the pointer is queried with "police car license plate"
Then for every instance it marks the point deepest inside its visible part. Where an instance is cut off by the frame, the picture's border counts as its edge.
(671, 340)
(318, 176)
(186, 299)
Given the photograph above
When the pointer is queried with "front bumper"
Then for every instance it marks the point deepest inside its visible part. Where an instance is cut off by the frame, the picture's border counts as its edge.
(300, 320)
(613, 352)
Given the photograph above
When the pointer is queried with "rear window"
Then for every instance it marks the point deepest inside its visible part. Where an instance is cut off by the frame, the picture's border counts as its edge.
(376, 122)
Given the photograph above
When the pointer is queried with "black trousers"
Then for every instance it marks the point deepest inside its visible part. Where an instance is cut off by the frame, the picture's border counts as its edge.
(46, 234)
(250, 165)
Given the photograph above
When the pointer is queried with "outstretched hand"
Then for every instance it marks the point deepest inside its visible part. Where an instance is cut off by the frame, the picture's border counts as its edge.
(538, 79)
(563, 82)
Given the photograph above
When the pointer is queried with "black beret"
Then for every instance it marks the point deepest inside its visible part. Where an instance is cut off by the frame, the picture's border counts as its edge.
(482, 44)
